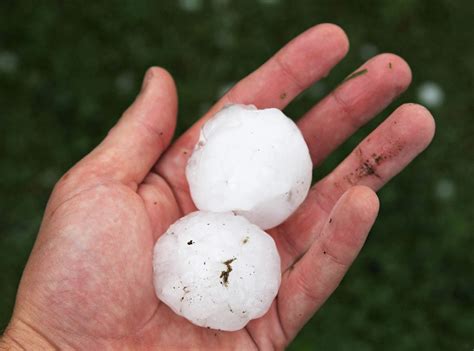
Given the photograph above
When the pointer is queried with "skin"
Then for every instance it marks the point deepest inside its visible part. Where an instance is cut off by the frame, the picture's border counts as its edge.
(88, 281)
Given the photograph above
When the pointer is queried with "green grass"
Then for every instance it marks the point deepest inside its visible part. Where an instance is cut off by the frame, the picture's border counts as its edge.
(68, 70)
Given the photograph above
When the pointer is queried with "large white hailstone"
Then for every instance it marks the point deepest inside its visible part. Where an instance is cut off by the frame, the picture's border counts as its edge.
(218, 270)
(253, 162)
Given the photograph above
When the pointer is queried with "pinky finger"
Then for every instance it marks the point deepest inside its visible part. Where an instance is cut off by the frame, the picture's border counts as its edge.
(307, 285)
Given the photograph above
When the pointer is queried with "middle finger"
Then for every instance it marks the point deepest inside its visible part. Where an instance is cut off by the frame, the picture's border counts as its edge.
(353, 103)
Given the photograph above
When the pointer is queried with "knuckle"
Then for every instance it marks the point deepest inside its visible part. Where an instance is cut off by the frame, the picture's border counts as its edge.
(306, 284)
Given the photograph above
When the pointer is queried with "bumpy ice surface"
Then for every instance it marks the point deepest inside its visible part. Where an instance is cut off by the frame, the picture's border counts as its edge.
(216, 269)
(253, 162)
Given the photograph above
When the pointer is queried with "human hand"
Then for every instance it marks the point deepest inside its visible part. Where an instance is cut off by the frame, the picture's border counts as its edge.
(88, 283)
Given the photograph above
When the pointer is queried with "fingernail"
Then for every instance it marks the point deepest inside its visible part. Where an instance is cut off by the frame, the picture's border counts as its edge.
(147, 79)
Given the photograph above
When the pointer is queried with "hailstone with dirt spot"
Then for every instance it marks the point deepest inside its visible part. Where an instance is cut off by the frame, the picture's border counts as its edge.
(253, 162)
(218, 270)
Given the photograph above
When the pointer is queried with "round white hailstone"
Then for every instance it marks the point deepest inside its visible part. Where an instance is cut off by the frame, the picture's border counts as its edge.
(368, 50)
(218, 270)
(445, 189)
(253, 162)
(430, 94)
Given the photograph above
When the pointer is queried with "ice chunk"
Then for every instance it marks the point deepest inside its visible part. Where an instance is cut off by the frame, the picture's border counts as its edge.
(218, 270)
(251, 161)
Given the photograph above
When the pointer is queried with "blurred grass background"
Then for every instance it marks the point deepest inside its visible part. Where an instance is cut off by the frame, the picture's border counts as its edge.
(68, 69)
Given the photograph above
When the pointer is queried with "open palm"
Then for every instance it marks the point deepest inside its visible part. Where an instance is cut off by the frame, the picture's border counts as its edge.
(88, 282)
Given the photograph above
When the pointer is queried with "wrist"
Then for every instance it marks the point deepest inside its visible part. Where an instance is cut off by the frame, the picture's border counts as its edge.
(20, 335)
